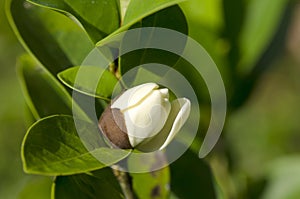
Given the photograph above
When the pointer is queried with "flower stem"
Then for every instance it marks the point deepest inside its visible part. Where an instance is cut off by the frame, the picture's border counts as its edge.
(124, 181)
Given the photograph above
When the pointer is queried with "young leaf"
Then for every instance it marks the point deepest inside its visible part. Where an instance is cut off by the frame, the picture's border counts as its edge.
(98, 184)
(51, 37)
(43, 93)
(92, 80)
(52, 146)
(98, 17)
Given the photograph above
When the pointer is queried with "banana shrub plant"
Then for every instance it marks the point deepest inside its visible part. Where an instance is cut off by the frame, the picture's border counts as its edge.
(58, 35)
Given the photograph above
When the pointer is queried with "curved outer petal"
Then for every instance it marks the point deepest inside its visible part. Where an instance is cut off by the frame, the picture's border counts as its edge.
(133, 96)
(148, 117)
(180, 111)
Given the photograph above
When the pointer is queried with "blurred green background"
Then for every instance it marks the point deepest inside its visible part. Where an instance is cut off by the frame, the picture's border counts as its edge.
(256, 44)
(12, 127)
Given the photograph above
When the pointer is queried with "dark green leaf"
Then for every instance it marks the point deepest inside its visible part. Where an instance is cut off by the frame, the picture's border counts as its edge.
(234, 14)
(52, 146)
(98, 184)
(256, 188)
(192, 178)
(52, 38)
(137, 10)
(153, 184)
(92, 80)
(43, 93)
(98, 17)
(169, 18)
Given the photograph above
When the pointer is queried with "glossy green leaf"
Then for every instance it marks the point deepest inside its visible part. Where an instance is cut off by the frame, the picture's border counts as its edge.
(153, 184)
(192, 177)
(37, 187)
(52, 146)
(90, 80)
(138, 10)
(98, 184)
(98, 17)
(169, 18)
(54, 39)
(259, 29)
(43, 93)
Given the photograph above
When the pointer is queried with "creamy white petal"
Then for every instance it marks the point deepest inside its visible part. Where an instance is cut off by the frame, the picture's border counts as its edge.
(180, 119)
(147, 118)
(133, 96)
(180, 111)
(164, 93)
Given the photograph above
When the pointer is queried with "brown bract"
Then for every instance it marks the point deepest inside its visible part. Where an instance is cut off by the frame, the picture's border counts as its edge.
(112, 125)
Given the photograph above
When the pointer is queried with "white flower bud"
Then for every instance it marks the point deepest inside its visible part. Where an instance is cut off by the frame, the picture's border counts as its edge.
(142, 117)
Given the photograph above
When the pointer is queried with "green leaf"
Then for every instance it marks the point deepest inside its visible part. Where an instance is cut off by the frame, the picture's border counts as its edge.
(98, 184)
(98, 17)
(259, 29)
(234, 14)
(55, 40)
(138, 10)
(205, 20)
(153, 184)
(38, 187)
(169, 18)
(206, 13)
(192, 177)
(92, 80)
(52, 146)
(43, 93)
